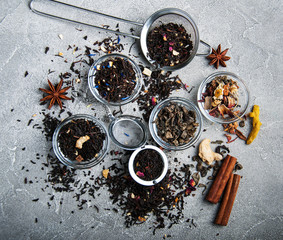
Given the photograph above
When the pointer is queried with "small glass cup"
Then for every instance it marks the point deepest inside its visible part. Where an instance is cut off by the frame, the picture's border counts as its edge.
(243, 100)
(189, 106)
(86, 163)
(92, 85)
(154, 181)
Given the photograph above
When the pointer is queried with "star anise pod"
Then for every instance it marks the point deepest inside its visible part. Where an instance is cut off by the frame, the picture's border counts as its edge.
(218, 57)
(55, 94)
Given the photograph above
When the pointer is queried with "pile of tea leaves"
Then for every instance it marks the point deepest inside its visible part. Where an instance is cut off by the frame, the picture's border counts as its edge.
(164, 201)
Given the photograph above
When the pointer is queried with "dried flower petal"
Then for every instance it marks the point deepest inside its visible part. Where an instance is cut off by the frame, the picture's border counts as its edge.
(139, 174)
(153, 101)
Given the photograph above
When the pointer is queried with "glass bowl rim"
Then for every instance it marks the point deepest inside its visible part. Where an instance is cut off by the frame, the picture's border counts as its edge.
(157, 109)
(90, 163)
(91, 83)
(209, 78)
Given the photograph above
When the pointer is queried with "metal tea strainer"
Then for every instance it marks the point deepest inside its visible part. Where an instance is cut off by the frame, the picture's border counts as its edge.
(126, 131)
(162, 16)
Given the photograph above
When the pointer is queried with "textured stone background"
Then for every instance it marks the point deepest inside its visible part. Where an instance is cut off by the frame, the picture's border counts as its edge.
(253, 32)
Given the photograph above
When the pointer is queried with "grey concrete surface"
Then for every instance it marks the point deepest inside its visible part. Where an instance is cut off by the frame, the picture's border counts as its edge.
(253, 32)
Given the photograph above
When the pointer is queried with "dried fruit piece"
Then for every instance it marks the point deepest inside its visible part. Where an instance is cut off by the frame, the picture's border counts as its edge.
(81, 141)
(105, 173)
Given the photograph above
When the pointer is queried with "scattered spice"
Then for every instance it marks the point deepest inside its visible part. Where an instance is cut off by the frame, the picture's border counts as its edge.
(169, 44)
(226, 206)
(80, 130)
(256, 124)
(148, 164)
(55, 93)
(115, 79)
(206, 153)
(175, 124)
(218, 57)
(232, 129)
(221, 180)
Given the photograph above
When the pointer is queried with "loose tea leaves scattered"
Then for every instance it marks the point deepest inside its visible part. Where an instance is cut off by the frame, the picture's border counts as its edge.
(175, 124)
(158, 86)
(80, 140)
(164, 201)
(148, 165)
(169, 44)
(115, 79)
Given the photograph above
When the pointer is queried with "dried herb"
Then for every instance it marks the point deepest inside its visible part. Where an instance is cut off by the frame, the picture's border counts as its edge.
(221, 97)
(80, 140)
(169, 44)
(175, 124)
(148, 165)
(115, 79)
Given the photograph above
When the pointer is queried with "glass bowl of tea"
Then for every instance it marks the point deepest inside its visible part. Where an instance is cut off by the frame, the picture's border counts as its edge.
(175, 123)
(115, 79)
(223, 97)
(80, 141)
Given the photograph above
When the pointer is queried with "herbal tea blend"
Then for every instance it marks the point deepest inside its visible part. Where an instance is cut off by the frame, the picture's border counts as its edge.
(148, 165)
(175, 124)
(115, 79)
(221, 97)
(169, 44)
(80, 140)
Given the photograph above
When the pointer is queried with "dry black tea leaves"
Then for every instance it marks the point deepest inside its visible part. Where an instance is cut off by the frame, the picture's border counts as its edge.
(164, 201)
(80, 140)
(158, 86)
(169, 44)
(115, 79)
(148, 165)
(176, 125)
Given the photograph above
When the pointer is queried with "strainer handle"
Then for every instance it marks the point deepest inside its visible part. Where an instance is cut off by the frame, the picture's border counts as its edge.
(83, 23)
(109, 113)
(207, 45)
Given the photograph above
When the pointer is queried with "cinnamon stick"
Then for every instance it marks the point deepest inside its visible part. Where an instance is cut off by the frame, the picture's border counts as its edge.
(221, 179)
(226, 206)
